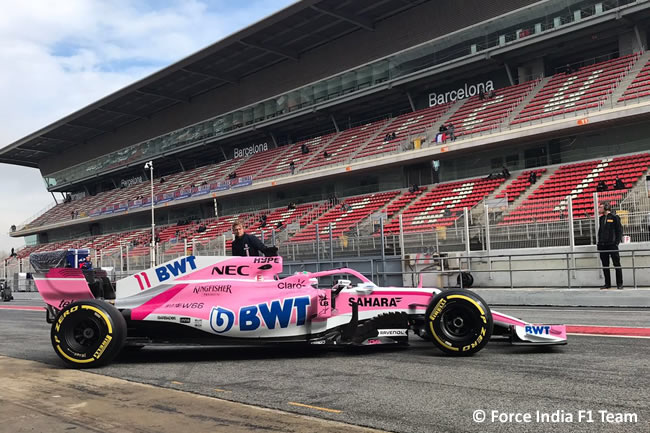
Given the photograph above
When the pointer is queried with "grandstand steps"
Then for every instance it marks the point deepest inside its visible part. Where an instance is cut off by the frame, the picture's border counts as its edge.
(314, 214)
(316, 153)
(283, 233)
(540, 180)
(344, 216)
(477, 214)
(433, 129)
(449, 113)
(259, 162)
(627, 80)
(533, 92)
(639, 188)
(369, 140)
(366, 226)
(234, 167)
(271, 162)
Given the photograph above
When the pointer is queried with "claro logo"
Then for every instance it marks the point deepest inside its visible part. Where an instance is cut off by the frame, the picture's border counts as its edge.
(230, 270)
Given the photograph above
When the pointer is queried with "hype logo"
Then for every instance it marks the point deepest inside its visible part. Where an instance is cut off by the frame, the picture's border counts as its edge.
(221, 319)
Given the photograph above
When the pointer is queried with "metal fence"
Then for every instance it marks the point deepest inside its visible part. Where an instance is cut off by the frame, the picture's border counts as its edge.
(564, 222)
(565, 269)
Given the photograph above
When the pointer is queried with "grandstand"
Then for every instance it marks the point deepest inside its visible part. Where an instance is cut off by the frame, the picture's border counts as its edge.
(338, 108)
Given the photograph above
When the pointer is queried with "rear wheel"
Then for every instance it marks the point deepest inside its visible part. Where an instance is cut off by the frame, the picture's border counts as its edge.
(88, 333)
(459, 322)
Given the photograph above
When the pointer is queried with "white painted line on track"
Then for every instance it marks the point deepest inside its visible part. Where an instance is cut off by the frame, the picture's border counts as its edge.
(607, 335)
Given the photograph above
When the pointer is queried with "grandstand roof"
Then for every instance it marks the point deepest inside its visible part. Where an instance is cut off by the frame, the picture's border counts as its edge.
(283, 36)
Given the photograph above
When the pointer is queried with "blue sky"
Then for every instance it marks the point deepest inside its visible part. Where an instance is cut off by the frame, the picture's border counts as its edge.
(57, 60)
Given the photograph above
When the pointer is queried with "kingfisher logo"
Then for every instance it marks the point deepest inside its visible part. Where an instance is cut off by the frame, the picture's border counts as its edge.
(251, 317)
(176, 268)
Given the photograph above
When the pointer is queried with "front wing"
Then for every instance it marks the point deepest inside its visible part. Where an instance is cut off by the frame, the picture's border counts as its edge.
(523, 333)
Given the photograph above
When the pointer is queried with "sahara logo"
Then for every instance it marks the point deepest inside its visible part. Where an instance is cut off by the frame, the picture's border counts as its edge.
(374, 302)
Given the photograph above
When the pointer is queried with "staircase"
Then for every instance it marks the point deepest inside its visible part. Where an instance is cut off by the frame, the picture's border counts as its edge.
(366, 226)
(526, 100)
(540, 180)
(612, 100)
(316, 153)
(313, 214)
(450, 112)
(637, 194)
(477, 213)
(369, 140)
(270, 162)
(431, 132)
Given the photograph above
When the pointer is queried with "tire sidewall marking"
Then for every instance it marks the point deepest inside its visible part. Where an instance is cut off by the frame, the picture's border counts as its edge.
(439, 308)
(66, 352)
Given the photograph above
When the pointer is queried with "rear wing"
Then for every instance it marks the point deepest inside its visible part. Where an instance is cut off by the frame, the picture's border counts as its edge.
(62, 286)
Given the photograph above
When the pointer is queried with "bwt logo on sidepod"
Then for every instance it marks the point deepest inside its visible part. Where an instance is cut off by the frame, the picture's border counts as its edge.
(176, 268)
(252, 316)
(537, 330)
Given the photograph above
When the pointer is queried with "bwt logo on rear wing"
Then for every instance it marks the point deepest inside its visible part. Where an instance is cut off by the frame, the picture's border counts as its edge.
(176, 268)
(167, 271)
(190, 268)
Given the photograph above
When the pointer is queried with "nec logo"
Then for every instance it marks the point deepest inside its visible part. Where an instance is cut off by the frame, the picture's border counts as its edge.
(537, 330)
(230, 270)
(175, 268)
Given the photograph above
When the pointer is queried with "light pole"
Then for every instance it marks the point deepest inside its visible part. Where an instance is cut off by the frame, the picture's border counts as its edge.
(149, 165)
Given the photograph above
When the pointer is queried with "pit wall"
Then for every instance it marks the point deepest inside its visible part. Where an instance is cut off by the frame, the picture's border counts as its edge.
(536, 268)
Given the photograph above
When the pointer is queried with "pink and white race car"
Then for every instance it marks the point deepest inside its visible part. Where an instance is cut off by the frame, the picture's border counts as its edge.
(241, 300)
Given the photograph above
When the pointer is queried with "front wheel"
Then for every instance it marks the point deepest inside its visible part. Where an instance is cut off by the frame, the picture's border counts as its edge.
(459, 322)
(88, 333)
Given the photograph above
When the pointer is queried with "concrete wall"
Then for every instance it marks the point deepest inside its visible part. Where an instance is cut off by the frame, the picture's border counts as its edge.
(628, 42)
(539, 270)
(415, 26)
(530, 70)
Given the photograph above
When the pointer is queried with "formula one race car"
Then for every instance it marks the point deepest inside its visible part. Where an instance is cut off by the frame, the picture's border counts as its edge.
(5, 291)
(241, 300)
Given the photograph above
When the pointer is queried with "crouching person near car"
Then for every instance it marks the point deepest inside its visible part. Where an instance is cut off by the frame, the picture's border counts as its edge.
(610, 233)
(248, 245)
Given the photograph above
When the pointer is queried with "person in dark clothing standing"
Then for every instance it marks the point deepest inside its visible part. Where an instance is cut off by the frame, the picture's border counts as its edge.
(248, 245)
(450, 130)
(610, 233)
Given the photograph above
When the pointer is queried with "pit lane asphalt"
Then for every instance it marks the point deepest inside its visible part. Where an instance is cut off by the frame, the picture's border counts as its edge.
(417, 389)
